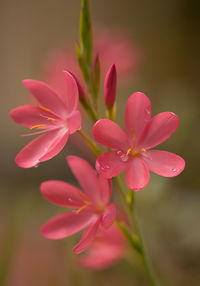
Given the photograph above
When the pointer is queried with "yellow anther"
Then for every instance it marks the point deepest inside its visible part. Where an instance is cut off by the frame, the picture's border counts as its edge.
(83, 196)
(81, 208)
(37, 126)
(144, 150)
(52, 119)
(129, 150)
(87, 203)
(44, 108)
(134, 137)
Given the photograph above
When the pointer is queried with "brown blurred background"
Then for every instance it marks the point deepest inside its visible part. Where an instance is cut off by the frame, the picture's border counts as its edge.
(168, 34)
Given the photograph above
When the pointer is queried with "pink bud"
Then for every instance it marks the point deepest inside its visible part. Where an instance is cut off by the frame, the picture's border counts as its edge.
(110, 86)
(81, 91)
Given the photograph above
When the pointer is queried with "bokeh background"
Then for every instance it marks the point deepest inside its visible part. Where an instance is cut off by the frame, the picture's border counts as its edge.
(167, 37)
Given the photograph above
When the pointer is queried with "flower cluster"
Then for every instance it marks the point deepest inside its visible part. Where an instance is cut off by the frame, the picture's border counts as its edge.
(55, 117)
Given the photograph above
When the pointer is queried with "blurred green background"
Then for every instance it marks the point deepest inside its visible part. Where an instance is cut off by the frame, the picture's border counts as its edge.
(168, 35)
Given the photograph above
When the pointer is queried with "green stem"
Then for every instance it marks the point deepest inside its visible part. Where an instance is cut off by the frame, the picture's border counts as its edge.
(135, 241)
(90, 143)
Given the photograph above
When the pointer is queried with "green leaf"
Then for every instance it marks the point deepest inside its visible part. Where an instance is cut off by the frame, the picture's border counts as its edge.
(96, 76)
(86, 32)
(82, 63)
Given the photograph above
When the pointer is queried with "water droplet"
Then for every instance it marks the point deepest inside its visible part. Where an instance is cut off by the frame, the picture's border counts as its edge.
(119, 153)
(106, 167)
(147, 111)
(174, 169)
(124, 158)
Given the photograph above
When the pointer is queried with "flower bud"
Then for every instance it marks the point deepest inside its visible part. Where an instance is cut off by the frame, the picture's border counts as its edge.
(110, 86)
(82, 94)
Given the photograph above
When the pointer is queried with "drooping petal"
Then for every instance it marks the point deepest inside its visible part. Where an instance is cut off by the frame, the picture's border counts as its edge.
(164, 163)
(159, 129)
(86, 176)
(72, 97)
(100, 256)
(137, 115)
(61, 193)
(46, 97)
(32, 153)
(74, 121)
(110, 164)
(56, 146)
(137, 174)
(30, 116)
(109, 134)
(65, 224)
(87, 237)
(105, 187)
(109, 216)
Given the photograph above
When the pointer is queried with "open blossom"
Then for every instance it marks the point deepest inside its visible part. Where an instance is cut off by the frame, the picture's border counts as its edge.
(108, 247)
(91, 207)
(53, 117)
(133, 147)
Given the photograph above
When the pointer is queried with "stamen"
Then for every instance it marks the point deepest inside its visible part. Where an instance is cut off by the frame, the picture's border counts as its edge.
(52, 119)
(44, 108)
(37, 126)
(144, 150)
(127, 153)
(83, 196)
(81, 208)
(134, 137)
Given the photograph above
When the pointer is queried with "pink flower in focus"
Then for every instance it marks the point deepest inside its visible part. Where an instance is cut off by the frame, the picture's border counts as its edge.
(133, 148)
(112, 46)
(91, 207)
(108, 247)
(56, 118)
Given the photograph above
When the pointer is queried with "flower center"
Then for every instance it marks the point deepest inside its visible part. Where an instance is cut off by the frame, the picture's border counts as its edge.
(133, 151)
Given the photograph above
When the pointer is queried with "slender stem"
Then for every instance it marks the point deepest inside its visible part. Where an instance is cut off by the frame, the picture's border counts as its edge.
(135, 241)
(90, 143)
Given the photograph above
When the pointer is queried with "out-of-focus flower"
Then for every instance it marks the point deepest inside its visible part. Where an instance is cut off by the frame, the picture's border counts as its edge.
(91, 207)
(108, 247)
(110, 86)
(132, 149)
(55, 117)
(112, 46)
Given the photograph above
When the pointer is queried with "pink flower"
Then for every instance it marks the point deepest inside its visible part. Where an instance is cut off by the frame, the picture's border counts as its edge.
(108, 247)
(54, 117)
(110, 86)
(91, 207)
(133, 148)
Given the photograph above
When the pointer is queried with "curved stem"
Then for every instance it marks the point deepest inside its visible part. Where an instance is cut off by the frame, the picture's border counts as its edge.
(90, 143)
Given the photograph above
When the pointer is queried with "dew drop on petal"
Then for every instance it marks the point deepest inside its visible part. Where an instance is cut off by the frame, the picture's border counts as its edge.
(174, 169)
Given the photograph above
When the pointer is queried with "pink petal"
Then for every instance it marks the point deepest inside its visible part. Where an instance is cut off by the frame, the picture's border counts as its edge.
(159, 129)
(30, 116)
(137, 174)
(74, 121)
(109, 216)
(108, 133)
(46, 97)
(56, 147)
(110, 164)
(88, 237)
(137, 114)
(105, 186)
(65, 224)
(101, 256)
(32, 153)
(61, 193)
(72, 97)
(164, 163)
(86, 176)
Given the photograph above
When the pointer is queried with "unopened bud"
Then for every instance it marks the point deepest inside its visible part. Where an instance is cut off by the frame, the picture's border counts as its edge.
(82, 94)
(110, 86)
